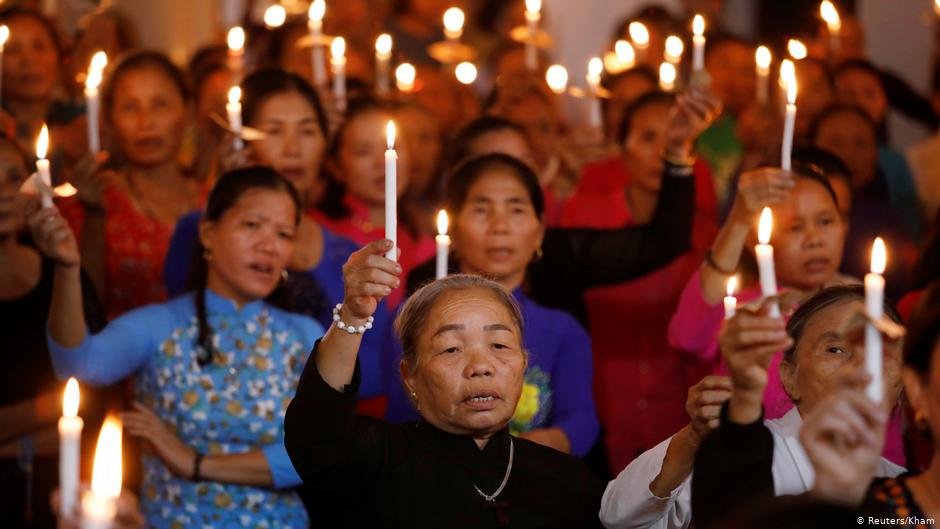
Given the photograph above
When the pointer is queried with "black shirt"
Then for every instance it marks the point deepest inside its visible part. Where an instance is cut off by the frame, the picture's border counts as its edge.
(416, 476)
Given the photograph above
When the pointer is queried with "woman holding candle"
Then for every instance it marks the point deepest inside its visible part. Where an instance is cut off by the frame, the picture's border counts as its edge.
(217, 366)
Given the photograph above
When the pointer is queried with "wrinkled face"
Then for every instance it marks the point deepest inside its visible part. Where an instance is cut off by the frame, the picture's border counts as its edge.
(470, 364)
(294, 144)
(422, 133)
(822, 354)
(734, 78)
(808, 235)
(361, 158)
(497, 232)
(623, 93)
(30, 61)
(861, 88)
(148, 115)
(645, 146)
(12, 175)
(250, 245)
(539, 121)
(815, 94)
(508, 142)
(853, 140)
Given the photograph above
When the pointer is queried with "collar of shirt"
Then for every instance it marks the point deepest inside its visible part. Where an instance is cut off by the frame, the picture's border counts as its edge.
(218, 304)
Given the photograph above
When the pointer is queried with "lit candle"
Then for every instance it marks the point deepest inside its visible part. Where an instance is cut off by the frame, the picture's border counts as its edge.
(787, 72)
(315, 16)
(405, 77)
(698, 43)
(234, 110)
(236, 50)
(874, 305)
(466, 73)
(275, 16)
(391, 192)
(92, 103)
(625, 53)
(99, 505)
(640, 37)
(42, 165)
(338, 64)
(667, 77)
(789, 122)
(593, 78)
(765, 259)
(557, 78)
(829, 13)
(762, 58)
(443, 244)
(383, 56)
(453, 23)
(797, 49)
(4, 37)
(673, 50)
(533, 13)
(731, 302)
(70, 440)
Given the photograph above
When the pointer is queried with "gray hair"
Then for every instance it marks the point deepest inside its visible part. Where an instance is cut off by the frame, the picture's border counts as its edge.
(414, 313)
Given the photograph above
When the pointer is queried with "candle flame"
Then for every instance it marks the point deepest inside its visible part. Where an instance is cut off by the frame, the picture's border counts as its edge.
(338, 48)
(453, 20)
(42, 144)
(236, 39)
(533, 6)
(70, 398)
(667, 75)
(595, 68)
(390, 134)
(234, 94)
(93, 79)
(383, 44)
(405, 77)
(698, 25)
(275, 16)
(787, 72)
(829, 13)
(879, 256)
(557, 78)
(625, 53)
(674, 48)
(98, 61)
(106, 471)
(466, 73)
(762, 57)
(317, 11)
(4, 35)
(639, 34)
(791, 89)
(442, 222)
(765, 226)
(731, 285)
(796, 49)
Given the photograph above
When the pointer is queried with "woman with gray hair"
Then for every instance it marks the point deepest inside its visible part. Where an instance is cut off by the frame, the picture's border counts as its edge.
(456, 467)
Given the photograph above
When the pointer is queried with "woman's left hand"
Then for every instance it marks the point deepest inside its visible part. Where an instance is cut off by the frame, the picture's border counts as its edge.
(177, 456)
(693, 112)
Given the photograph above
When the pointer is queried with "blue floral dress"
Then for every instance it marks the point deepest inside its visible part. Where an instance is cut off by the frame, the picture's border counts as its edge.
(234, 405)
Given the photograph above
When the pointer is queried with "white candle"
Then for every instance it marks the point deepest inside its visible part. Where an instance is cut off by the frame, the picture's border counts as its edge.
(698, 43)
(557, 78)
(762, 58)
(765, 259)
(383, 57)
(405, 76)
(593, 78)
(533, 13)
(789, 122)
(338, 64)
(453, 23)
(731, 302)
(42, 165)
(99, 505)
(874, 305)
(443, 244)
(92, 101)
(667, 77)
(466, 73)
(70, 441)
(234, 110)
(4, 36)
(640, 37)
(391, 192)
(673, 50)
(315, 24)
(829, 13)
(236, 50)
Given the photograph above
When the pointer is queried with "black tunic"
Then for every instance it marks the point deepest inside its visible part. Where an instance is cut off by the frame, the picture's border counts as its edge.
(374, 474)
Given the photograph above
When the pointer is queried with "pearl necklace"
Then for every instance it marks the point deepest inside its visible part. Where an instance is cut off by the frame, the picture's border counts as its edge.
(492, 497)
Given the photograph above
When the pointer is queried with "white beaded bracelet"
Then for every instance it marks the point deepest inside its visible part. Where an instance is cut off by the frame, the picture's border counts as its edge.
(351, 329)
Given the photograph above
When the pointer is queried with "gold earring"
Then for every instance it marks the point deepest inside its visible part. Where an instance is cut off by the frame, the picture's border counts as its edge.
(920, 420)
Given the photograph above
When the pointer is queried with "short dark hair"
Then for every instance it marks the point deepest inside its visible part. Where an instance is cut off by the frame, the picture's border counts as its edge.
(459, 183)
(655, 97)
(839, 108)
(462, 142)
(267, 82)
(858, 65)
(15, 11)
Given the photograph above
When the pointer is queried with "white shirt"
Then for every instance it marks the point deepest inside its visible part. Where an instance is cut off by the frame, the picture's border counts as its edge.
(629, 504)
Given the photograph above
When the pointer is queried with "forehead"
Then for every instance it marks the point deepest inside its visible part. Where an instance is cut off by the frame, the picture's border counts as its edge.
(274, 204)
(846, 124)
(653, 113)
(497, 182)
(828, 319)
(287, 104)
(472, 307)
(806, 197)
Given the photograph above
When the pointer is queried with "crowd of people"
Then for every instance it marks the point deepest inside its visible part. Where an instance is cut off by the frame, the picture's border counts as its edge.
(230, 292)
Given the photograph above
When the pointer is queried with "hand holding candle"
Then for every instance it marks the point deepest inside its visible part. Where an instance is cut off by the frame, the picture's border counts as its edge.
(338, 63)
(874, 305)
(443, 245)
(42, 165)
(731, 303)
(391, 192)
(99, 505)
(765, 259)
(70, 439)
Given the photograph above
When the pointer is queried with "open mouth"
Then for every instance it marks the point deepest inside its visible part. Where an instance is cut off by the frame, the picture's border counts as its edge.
(816, 265)
(482, 401)
(261, 268)
(499, 254)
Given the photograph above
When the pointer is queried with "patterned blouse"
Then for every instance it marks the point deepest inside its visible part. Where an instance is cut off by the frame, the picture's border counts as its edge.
(234, 405)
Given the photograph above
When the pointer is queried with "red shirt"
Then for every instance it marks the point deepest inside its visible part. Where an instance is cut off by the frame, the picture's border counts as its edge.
(640, 383)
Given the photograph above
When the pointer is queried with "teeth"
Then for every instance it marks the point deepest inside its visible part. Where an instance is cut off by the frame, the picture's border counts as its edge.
(481, 399)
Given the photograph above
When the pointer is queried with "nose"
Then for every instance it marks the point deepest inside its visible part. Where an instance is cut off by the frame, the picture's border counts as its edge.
(499, 223)
(479, 364)
(814, 237)
(145, 119)
(266, 242)
(291, 144)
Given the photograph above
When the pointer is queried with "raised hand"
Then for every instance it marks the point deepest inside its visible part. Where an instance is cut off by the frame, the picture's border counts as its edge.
(704, 403)
(368, 276)
(91, 181)
(693, 112)
(178, 457)
(52, 234)
(759, 188)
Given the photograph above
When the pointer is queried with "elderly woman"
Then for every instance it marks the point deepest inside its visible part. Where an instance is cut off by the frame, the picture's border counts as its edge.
(458, 466)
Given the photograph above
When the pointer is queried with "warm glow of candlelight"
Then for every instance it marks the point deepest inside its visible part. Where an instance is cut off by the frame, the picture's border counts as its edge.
(533, 6)
(674, 48)
(390, 135)
(338, 48)
(667, 76)
(442, 222)
(405, 76)
(936, 7)
(65, 190)
(453, 22)
(879, 256)
(639, 34)
(236, 39)
(791, 90)
(557, 78)
(625, 53)
(466, 73)
(234, 94)
(106, 471)
(99, 61)
(275, 16)
(765, 226)
(594, 70)
(92, 80)
(383, 45)
(731, 286)
(42, 144)
(762, 57)
(698, 25)
(796, 49)
(317, 11)
(70, 398)
(4, 35)
(829, 13)
(787, 72)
